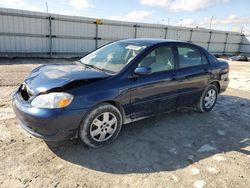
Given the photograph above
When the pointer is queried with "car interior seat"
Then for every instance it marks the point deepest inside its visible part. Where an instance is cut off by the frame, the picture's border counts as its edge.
(163, 60)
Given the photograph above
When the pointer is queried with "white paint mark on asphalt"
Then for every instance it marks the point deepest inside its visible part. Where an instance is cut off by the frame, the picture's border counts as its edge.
(212, 170)
(199, 184)
(246, 148)
(220, 118)
(206, 148)
(195, 171)
(221, 132)
(175, 178)
(187, 145)
(191, 157)
(245, 140)
(173, 151)
(59, 166)
(219, 158)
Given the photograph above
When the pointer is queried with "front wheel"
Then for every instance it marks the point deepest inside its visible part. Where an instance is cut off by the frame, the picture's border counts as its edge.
(208, 99)
(101, 125)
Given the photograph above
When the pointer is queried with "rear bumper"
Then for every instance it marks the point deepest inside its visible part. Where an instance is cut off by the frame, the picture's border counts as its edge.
(224, 84)
(48, 124)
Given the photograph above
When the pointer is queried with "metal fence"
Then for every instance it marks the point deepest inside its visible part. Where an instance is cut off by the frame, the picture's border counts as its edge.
(26, 33)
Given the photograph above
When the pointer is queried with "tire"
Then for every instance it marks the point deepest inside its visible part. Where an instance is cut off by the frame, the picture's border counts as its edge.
(208, 99)
(101, 125)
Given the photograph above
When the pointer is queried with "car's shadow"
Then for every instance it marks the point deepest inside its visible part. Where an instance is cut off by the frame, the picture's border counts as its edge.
(167, 142)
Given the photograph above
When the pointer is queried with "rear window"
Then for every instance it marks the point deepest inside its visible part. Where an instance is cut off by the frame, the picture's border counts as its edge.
(189, 57)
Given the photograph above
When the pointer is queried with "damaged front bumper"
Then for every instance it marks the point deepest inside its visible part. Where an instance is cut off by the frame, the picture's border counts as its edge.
(48, 124)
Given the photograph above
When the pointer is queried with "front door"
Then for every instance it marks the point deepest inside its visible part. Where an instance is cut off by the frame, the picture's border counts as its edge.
(156, 92)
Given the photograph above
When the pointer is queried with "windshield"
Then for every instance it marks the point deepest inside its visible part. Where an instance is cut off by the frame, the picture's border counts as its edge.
(113, 57)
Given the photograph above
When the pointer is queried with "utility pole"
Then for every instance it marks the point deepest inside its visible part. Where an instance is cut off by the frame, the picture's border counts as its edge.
(241, 31)
(47, 8)
(210, 24)
(180, 22)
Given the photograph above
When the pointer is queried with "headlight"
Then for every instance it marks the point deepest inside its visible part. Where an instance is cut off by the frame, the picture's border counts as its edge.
(52, 100)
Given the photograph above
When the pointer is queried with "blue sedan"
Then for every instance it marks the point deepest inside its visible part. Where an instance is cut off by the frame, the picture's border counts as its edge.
(121, 82)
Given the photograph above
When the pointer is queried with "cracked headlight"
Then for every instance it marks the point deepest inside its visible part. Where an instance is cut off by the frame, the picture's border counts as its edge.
(52, 100)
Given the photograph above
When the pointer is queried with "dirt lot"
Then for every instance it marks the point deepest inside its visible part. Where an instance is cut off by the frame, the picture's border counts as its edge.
(181, 149)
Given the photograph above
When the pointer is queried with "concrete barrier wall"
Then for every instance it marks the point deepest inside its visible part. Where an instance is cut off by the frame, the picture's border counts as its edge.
(26, 33)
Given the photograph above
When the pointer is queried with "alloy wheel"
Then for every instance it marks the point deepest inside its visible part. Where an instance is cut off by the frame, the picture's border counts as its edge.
(210, 98)
(103, 127)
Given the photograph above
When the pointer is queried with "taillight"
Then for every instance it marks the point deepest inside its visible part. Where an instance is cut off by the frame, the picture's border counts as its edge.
(225, 70)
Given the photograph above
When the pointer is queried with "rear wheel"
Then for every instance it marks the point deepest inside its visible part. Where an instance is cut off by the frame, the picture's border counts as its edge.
(101, 125)
(208, 98)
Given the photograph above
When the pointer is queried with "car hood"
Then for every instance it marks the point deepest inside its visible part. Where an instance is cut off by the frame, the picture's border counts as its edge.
(47, 77)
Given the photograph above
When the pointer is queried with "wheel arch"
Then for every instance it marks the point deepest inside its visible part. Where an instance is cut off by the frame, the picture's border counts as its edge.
(217, 84)
(118, 106)
(111, 102)
(83, 131)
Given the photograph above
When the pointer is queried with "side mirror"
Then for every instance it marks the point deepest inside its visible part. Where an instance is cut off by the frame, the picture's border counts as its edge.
(143, 71)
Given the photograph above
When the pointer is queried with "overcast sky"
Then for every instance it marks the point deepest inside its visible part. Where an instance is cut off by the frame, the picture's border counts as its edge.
(225, 14)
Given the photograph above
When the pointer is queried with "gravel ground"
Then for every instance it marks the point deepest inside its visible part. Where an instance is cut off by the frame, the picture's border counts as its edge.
(181, 149)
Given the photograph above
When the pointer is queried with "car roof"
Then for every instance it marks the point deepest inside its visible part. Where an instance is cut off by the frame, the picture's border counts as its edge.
(151, 41)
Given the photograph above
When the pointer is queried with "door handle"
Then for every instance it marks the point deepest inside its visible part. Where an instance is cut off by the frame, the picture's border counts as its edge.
(133, 76)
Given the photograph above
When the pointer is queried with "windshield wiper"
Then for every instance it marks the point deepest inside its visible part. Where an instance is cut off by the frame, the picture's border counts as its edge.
(93, 66)
(97, 68)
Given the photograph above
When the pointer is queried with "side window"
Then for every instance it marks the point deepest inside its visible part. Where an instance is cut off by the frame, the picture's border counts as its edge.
(204, 59)
(160, 59)
(189, 57)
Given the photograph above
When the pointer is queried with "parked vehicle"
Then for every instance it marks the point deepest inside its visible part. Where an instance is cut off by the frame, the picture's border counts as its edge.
(118, 83)
(238, 58)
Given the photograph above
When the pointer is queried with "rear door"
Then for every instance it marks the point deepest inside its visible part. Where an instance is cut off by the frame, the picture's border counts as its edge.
(156, 92)
(193, 74)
